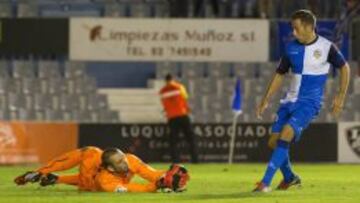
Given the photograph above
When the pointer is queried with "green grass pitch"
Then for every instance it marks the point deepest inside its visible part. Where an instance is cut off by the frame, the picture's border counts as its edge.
(219, 183)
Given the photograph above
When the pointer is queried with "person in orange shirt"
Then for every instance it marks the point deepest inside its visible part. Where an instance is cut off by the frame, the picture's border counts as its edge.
(174, 100)
(110, 170)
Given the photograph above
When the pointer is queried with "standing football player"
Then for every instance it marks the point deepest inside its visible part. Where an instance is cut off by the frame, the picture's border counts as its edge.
(308, 59)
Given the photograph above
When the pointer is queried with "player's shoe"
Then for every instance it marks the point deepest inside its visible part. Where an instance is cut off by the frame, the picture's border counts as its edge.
(296, 181)
(261, 187)
(30, 176)
(48, 179)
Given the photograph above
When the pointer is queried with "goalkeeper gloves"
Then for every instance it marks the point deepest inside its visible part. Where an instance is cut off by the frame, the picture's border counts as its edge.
(175, 179)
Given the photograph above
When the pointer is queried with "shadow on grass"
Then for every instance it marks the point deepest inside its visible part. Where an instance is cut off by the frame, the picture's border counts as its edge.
(239, 195)
(68, 194)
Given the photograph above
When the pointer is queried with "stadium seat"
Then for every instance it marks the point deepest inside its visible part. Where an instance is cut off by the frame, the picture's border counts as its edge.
(163, 68)
(160, 9)
(74, 69)
(353, 69)
(229, 85)
(67, 116)
(92, 102)
(192, 70)
(4, 85)
(4, 114)
(16, 101)
(219, 102)
(199, 117)
(68, 102)
(51, 86)
(53, 115)
(244, 70)
(347, 115)
(27, 9)
(139, 9)
(5, 9)
(266, 70)
(26, 114)
(321, 118)
(81, 116)
(13, 115)
(97, 102)
(219, 70)
(48, 69)
(205, 86)
(3, 102)
(41, 101)
(194, 103)
(30, 86)
(227, 116)
(113, 9)
(49, 96)
(356, 102)
(108, 116)
(356, 85)
(73, 9)
(4, 69)
(15, 85)
(23, 69)
(191, 86)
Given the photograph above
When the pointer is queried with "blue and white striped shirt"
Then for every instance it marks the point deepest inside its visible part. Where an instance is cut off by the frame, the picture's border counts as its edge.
(309, 65)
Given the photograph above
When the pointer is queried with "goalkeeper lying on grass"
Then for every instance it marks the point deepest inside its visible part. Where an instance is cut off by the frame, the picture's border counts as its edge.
(110, 171)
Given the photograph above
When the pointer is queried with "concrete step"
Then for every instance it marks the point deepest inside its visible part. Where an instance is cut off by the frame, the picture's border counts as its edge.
(137, 108)
(133, 100)
(141, 117)
(135, 105)
(129, 91)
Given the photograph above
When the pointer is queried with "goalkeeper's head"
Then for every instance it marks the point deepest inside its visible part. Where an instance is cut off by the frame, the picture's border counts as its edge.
(168, 78)
(114, 160)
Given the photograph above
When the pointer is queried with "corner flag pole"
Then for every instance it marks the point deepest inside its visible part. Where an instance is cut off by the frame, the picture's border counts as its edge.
(236, 107)
(232, 139)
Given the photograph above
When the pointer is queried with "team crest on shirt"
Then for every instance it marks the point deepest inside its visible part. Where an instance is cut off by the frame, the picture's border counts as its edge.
(317, 54)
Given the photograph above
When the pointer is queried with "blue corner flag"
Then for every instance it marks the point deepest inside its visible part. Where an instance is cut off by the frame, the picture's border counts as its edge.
(236, 104)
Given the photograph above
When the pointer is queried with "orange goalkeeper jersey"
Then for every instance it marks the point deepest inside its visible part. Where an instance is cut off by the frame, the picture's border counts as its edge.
(112, 182)
(92, 177)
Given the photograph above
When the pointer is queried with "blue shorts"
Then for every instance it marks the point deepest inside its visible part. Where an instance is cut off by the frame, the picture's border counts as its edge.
(298, 115)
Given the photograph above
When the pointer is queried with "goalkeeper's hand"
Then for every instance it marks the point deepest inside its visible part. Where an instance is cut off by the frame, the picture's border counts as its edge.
(175, 179)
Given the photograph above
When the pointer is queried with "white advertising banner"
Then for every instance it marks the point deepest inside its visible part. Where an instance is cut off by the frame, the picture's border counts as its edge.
(349, 142)
(120, 39)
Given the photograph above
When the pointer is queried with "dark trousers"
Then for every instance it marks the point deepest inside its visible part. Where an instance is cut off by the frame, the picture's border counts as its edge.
(178, 8)
(199, 6)
(177, 126)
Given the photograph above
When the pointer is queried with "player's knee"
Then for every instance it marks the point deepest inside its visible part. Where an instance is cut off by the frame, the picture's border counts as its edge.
(287, 134)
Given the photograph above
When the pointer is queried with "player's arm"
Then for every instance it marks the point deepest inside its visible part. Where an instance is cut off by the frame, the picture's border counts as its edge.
(337, 60)
(184, 92)
(274, 85)
(116, 186)
(339, 99)
(107, 182)
(144, 170)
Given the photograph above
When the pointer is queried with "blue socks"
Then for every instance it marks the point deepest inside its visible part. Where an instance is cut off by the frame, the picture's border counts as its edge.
(279, 156)
(285, 169)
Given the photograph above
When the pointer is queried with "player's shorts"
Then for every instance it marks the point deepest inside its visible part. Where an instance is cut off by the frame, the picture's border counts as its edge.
(298, 115)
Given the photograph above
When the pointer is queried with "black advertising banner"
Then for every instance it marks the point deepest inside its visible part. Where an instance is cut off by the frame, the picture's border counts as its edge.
(150, 141)
(34, 36)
